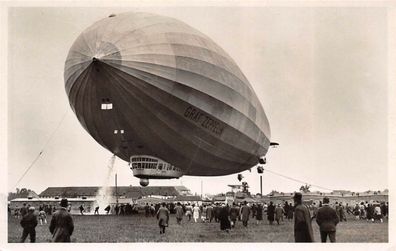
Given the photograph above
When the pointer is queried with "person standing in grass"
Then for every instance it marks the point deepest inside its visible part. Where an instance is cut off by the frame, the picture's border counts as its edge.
(147, 210)
(224, 218)
(302, 221)
(290, 212)
(327, 219)
(204, 213)
(234, 214)
(342, 214)
(29, 223)
(209, 212)
(96, 210)
(163, 217)
(271, 213)
(107, 209)
(116, 209)
(259, 213)
(377, 213)
(189, 211)
(81, 209)
(196, 212)
(279, 213)
(42, 217)
(179, 213)
(217, 210)
(61, 226)
(245, 212)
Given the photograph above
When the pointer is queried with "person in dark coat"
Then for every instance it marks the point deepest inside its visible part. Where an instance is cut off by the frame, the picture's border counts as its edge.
(81, 209)
(210, 212)
(147, 210)
(327, 220)
(163, 217)
(245, 212)
(116, 209)
(234, 214)
(61, 226)
(107, 209)
(122, 209)
(254, 209)
(96, 210)
(271, 213)
(259, 213)
(24, 210)
(217, 210)
(370, 213)
(286, 209)
(224, 218)
(29, 223)
(179, 213)
(290, 212)
(302, 221)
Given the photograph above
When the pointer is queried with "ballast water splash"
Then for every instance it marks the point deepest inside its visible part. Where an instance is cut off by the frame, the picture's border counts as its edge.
(105, 193)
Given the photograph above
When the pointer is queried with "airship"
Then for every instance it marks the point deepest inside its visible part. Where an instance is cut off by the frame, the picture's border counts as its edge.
(165, 98)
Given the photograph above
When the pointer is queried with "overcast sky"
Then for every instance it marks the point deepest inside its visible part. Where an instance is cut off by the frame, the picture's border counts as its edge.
(320, 74)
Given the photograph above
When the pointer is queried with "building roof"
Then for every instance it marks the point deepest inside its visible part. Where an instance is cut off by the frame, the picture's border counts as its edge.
(182, 189)
(127, 191)
(219, 198)
(187, 198)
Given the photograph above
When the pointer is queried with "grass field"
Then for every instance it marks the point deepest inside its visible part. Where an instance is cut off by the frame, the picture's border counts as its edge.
(138, 228)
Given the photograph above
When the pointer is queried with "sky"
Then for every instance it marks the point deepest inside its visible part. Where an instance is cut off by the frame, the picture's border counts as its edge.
(321, 75)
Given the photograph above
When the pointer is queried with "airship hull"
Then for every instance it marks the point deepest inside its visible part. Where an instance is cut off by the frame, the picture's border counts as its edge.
(174, 94)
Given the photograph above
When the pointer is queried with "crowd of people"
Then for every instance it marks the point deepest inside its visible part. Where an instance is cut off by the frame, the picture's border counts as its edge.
(327, 216)
(61, 226)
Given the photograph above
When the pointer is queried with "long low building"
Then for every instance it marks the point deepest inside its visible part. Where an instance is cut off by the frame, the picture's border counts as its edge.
(336, 196)
(91, 197)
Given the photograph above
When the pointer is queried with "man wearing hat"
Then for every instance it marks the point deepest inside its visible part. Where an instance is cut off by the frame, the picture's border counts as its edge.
(245, 212)
(327, 220)
(61, 226)
(302, 221)
(29, 223)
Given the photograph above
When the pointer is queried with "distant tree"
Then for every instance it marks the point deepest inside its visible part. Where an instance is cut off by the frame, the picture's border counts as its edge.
(305, 188)
(23, 191)
(20, 193)
(274, 192)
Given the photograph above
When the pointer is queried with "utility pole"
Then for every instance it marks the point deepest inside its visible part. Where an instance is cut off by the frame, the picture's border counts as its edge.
(201, 190)
(261, 185)
(116, 189)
